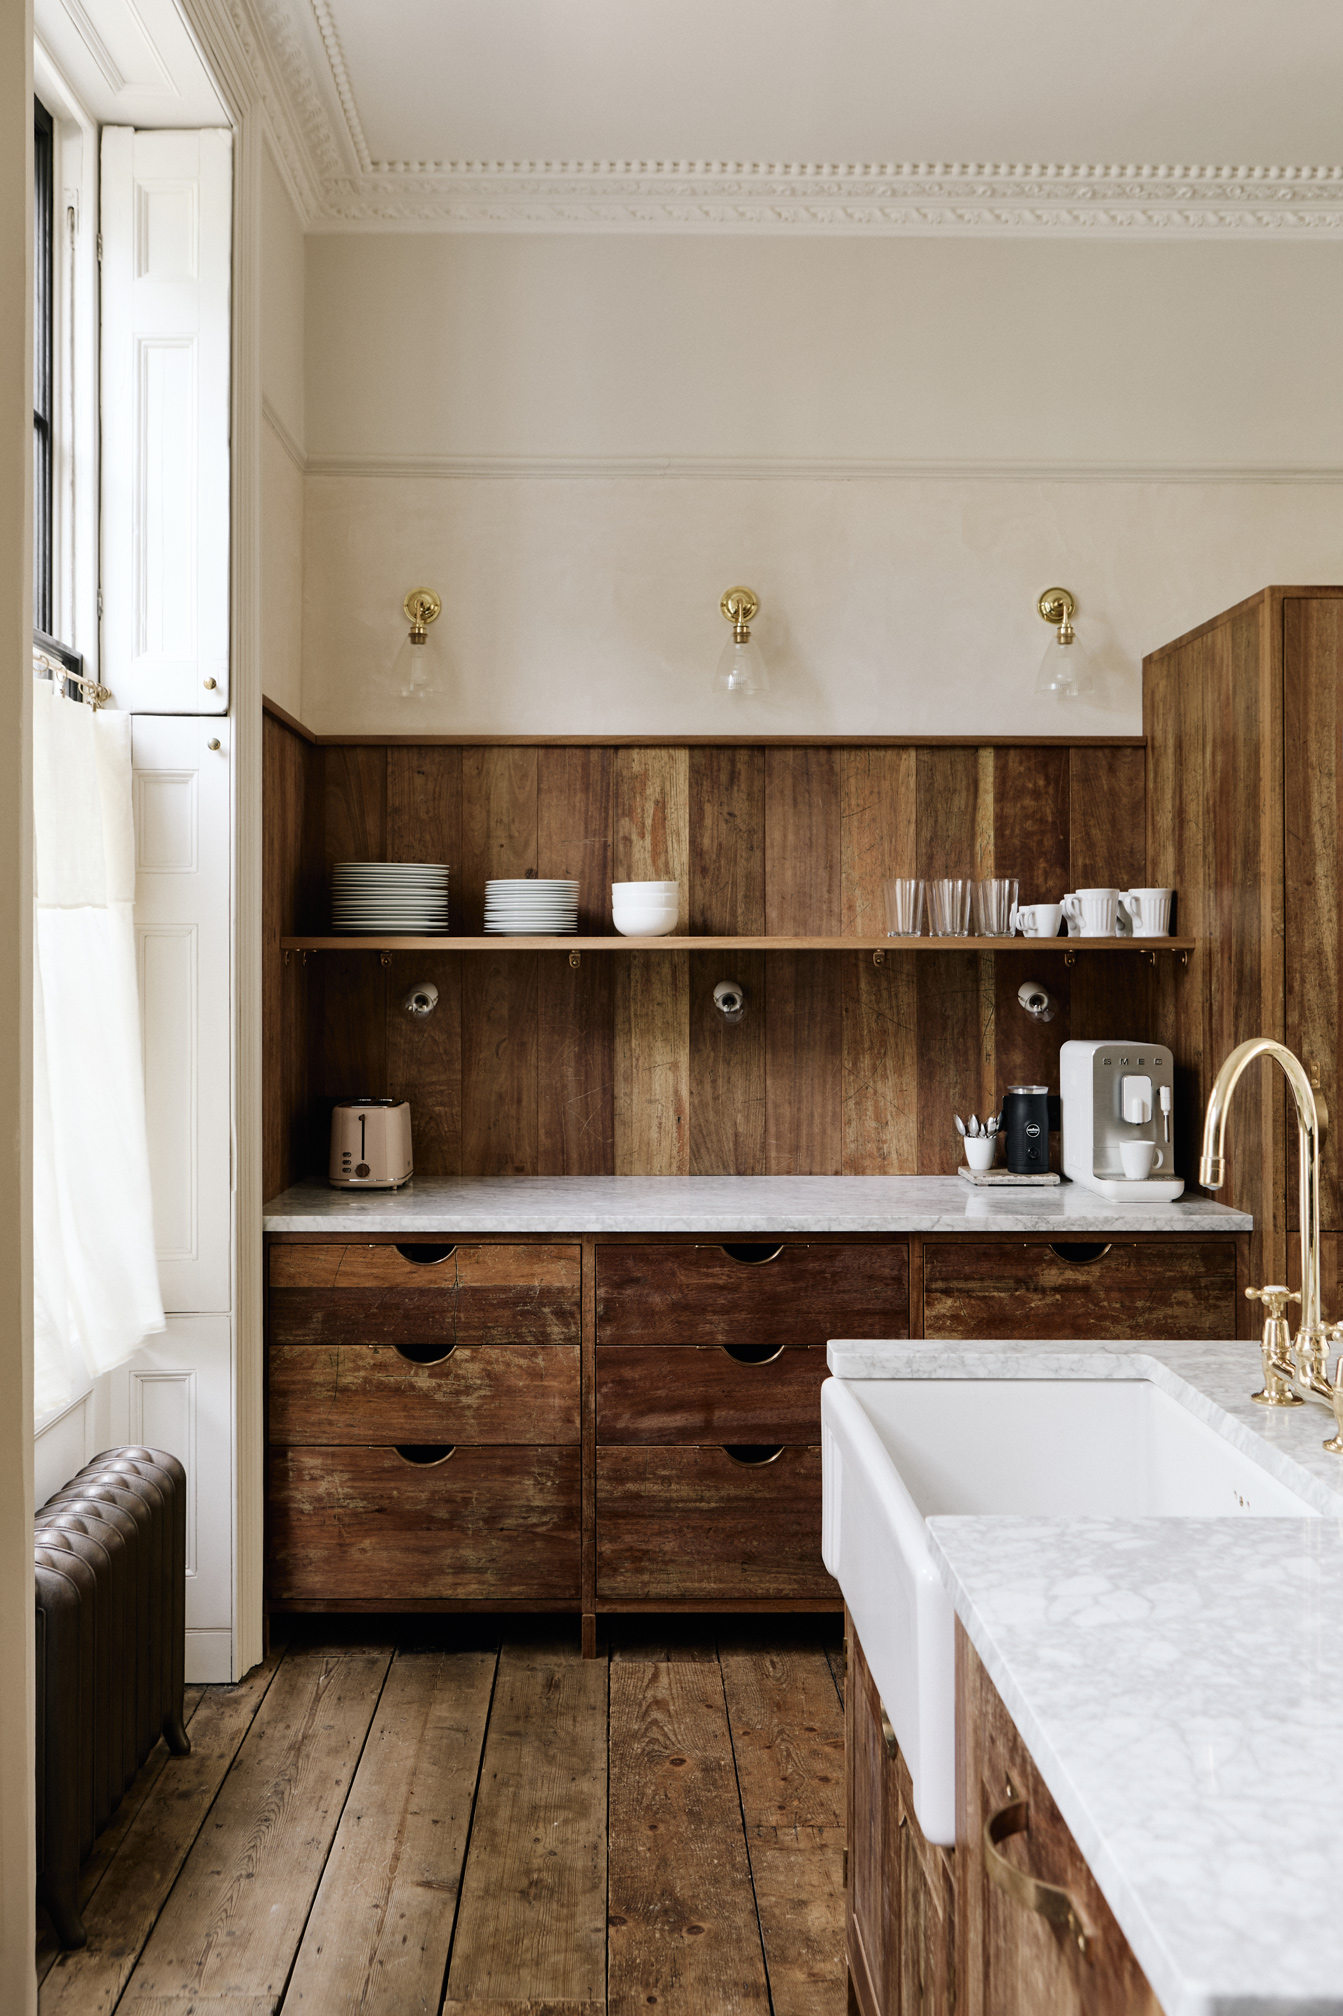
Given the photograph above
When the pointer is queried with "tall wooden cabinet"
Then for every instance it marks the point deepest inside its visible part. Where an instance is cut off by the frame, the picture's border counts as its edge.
(1244, 818)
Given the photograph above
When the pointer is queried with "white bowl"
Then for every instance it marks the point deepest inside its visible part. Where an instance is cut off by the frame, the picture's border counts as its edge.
(667, 891)
(644, 920)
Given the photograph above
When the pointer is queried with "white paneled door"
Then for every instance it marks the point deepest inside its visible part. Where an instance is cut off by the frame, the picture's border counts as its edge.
(166, 209)
(177, 1391)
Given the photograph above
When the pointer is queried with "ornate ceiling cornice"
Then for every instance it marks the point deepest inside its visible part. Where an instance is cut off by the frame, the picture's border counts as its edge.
(303, 80)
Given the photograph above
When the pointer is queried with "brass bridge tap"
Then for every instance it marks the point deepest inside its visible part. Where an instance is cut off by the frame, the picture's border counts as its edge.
(1276, 1346)
(1302, 1363)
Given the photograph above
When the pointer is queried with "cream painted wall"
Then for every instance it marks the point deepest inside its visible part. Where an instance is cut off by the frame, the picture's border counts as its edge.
(581, 441)
(282, 386)
(18, 1982)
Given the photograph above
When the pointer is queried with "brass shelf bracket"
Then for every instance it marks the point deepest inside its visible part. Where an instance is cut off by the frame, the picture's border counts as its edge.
(878, 958)
(575, 958)
(1070, 958)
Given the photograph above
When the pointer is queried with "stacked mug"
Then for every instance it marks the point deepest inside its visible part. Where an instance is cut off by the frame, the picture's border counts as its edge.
(1096, 913)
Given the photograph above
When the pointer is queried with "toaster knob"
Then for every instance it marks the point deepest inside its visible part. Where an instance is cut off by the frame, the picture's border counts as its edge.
(361, 1169)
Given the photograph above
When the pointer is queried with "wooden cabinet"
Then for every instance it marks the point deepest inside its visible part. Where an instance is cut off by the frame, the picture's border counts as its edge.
(1153, 1287)
(1014, 1959)
(929, 1932)
(769, 1292)
(901, 1905)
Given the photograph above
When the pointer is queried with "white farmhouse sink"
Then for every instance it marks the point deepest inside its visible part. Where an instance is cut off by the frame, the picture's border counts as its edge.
(896, 1452)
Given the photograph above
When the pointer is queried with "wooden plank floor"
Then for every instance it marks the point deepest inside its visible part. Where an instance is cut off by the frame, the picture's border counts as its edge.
(461, 1817)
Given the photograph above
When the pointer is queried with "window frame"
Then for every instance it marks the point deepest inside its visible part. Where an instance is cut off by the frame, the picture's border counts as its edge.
(44, 364)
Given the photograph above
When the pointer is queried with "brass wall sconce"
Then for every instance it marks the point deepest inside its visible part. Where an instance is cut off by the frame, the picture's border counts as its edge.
(417, 663)
(1065, 669)
(742, 672)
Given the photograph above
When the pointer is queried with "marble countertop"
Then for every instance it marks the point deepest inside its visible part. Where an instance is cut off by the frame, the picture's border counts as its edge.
(727, 1204)
(1178, 1683)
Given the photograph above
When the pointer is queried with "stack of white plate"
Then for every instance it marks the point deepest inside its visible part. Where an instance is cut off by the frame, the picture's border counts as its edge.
(389, 896)
(529, 908)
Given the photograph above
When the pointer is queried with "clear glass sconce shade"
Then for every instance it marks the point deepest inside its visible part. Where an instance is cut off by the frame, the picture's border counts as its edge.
(419, 666)
(1065, 670)
(742, 672)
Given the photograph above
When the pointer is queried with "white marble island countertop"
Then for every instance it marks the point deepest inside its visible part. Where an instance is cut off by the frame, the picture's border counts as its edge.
(728, 1204)
(1178, 1682)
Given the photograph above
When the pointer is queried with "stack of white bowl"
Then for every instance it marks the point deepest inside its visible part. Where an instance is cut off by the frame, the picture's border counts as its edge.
(645, 909)
(528, 908)
(389, 896)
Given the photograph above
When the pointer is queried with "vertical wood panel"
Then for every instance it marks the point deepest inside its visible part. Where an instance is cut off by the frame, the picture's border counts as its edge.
(1032, 796)
(727, 1068)
(652, 820)
(878, 833)
(424, 1058)
(424, 810)
(499, 1064)
(349, 994)
(804, 1128)
(576, 1066)
(574, 789)
(880, 1077)
(1313, 662)
(803, 846)
(652, 1064)
(1107, 820)
(499, 835)
(949, 1055)
(947, 785)
(727, 841)
(291, 884)
(356, 804)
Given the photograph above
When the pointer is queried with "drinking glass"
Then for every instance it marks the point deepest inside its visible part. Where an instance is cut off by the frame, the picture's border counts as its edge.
(949, 907)
(995, 900)
(904, 907)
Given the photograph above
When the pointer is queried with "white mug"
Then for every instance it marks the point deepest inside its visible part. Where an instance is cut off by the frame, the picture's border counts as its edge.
(1139, 1159)
(979, 1153)
(1037, 920)
(1091, 913)
(1149, 910)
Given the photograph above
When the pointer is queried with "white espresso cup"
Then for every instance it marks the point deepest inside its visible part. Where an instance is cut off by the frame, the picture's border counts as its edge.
(1091, 913)
(1148, 910)
(1139, 1159)
(1037, 920)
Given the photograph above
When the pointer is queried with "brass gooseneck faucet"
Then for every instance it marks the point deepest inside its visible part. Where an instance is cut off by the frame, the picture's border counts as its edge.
(1294, 1369)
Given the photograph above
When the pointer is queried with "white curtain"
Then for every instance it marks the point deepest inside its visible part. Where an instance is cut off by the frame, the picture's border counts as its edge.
(95, 1281)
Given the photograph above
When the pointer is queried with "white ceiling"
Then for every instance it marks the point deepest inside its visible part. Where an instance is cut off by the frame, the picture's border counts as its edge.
(844, 81)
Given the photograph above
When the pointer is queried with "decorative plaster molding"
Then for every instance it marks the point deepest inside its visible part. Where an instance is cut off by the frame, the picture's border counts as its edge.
(947, 201)
(317, 124)
(747, 469)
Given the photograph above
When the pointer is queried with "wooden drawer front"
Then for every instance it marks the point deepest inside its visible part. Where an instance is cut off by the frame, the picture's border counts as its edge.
(343, 1265)
(1006, 1289)
(373, 1295)
(691, 1523)
(369, 1393)
(362, 1523)
(699, 1295)
(697, 1393)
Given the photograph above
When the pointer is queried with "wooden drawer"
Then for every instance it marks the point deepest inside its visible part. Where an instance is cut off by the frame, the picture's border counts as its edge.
(348, 1294)
(698, 1393)
(677, 1524)
(332, 1393)
(1133, 1288)
(496, 1523)
(806, 1294)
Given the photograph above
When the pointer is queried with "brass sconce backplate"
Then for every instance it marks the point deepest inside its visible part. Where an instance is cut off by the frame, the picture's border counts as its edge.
(741, 606)
(422, 608)
(1056, 605)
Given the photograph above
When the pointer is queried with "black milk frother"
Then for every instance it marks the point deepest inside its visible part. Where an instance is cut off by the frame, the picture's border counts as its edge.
(1025, 1123)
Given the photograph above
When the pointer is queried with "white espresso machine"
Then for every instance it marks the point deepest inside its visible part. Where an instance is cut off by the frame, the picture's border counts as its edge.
(1111, 1093)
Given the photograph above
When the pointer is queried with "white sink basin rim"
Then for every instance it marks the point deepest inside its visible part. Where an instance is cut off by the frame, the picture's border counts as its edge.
(898, 1451)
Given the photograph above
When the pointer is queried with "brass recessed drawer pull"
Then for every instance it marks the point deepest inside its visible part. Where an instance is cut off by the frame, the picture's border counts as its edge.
(425, 1255)
(753, 1354)
(424, 1454)
(425, 1354)
(1049, 1900)
(1080, 1252)
(754, 1454)
(754, 1252)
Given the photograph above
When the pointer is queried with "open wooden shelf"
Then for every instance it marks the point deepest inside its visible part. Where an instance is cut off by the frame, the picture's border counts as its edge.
(358, 941)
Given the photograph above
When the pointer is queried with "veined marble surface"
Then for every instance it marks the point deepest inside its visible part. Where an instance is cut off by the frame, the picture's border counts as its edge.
(1178, 1683)
(727, 1204)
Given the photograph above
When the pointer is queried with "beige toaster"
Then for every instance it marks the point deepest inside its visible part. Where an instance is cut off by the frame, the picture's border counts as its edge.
(370, 1144)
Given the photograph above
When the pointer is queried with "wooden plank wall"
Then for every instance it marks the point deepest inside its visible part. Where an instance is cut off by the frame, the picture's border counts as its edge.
(623, 1065)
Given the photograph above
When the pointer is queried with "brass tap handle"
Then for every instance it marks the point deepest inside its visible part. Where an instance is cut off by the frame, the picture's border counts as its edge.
(1276, 1346)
